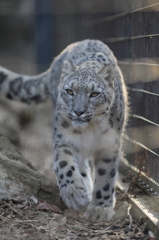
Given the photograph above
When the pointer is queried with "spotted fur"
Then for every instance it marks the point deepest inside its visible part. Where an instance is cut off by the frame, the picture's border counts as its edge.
(90, 100)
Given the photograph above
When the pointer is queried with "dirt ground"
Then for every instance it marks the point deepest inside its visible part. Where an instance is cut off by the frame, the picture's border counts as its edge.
(29, 219)
(31, 132)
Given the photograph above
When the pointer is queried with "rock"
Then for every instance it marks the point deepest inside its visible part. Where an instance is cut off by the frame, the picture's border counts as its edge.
(19, 177)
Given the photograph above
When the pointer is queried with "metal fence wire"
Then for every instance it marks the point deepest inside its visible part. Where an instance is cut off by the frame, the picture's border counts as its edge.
(131, 30)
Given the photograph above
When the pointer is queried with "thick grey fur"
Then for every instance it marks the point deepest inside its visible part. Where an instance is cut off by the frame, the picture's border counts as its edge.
(90, 100)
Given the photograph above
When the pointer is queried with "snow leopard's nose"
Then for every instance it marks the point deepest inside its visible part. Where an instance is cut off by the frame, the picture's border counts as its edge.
(79, 113)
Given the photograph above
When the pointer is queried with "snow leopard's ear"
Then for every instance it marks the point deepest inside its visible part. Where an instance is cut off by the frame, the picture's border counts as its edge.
(69, 67)
(107, 73)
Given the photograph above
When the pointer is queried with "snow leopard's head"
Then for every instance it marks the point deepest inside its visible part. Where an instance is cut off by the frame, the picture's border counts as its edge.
(85, 94)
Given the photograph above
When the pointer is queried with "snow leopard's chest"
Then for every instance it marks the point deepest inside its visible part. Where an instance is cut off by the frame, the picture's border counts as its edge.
(92, 139)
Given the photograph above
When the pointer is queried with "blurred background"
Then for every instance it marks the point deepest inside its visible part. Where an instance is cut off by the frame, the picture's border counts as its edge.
(33, 32)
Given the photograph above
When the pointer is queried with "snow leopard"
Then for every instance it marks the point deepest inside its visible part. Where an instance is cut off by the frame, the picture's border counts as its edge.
(90, 113)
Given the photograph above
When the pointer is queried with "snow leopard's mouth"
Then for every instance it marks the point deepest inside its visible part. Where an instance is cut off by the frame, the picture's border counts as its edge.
(80, 121)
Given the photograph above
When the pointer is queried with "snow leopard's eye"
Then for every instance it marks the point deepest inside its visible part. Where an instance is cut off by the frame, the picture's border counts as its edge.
(70, 92)
(94, 94)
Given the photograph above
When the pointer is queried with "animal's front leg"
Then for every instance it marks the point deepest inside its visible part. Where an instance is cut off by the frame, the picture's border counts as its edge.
(102, 204)
(73, 188)
(86, 173)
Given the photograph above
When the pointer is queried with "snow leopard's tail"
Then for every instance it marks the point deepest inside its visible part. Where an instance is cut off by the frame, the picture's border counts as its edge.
(24, 88)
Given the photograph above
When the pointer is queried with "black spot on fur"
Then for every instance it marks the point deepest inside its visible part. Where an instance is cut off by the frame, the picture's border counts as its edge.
(98, 195)
(25, 100)
(111, 122)
(106, 187)
(68, 181)
(37, 98)
(27, 86)
(107, 197)
(73, 168)
(56, 144)
(112, 190)
(15, 85)
(63, 164)
(72, 181)
(68, 152)
(57, 156)
(84, 174)
(69, 173)
(100, 203)
(65, 124)
(59, 136)
(106, 205)
(64, 185)
(100, 56)
(106, 160)
(113, 172)
(9, 96)
(108, 100)
(2, 77)
(101, 171)
(61, 176)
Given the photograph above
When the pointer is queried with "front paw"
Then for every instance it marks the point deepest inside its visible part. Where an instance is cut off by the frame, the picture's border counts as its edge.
(99, 214)
(76, 196)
